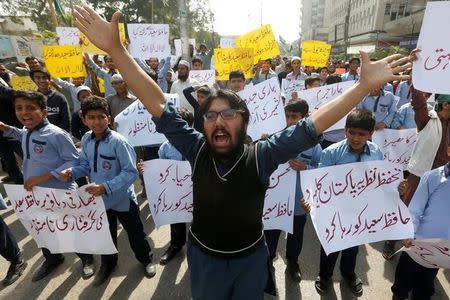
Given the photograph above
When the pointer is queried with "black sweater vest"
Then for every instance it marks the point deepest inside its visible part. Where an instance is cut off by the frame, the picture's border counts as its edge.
(227, 216)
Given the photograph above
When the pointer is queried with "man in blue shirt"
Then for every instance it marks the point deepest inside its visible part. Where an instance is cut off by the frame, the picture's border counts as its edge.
(226, 252)
(404, 92)
(429, 210)
(359, 127)
(382, 104)
(110, 162)
(352, 73)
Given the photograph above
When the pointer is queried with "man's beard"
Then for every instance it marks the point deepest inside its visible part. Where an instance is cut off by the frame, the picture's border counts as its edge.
(183, 77)
(242, 139)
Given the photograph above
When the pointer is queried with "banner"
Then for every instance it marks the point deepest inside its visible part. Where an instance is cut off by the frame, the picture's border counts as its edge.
(315, 53)
(319, 96)
(90, 48)
(266, 108)
(63, 220)
(207, 77)
(431, 71)
(262, 41)
(280, 200)
(227, 60)
(149, 40)
(227, 42)
(64, 61)
(136, 125)
(178, 44)
(169, 191)
(6, 47)
(23, 83)
(357, 203)
(290, 86)
(68, 36)
(431, 253)
(396, 145)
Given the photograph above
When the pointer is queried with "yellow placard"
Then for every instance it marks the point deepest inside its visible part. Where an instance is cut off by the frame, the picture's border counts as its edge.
(262, 41)
(23, 83)
(101, 85)
(229, 59)
(64, 61)
(315, 53)
(90, 48)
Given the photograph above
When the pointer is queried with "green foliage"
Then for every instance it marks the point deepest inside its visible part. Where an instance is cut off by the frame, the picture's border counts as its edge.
(383, 52)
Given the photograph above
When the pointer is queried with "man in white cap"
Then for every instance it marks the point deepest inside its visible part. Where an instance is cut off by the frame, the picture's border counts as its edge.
(183, 82)
(122, 99)
(296, 73)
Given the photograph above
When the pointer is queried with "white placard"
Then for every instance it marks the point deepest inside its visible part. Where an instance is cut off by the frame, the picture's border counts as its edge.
(430, 253)
(316, 97)
(63, 220)
(280, 200)
(169, 191)
(396, 145)
(68, 36)
(136, 124)
(207, 77)
(266, 108)
(431, 70)
(357, 203)
(178, 43)
(290, 86)
(226, 42)
(149, 40)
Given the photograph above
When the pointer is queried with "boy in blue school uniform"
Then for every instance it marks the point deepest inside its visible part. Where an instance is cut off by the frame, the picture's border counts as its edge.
(359, 127)
(309, 159)
(47, 150)
(110, 162)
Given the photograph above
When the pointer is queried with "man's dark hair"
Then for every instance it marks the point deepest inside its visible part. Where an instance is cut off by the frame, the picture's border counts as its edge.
(236, 74)
(297, 106)
(354, 59)
(28, 58)
(186, 115)
(323, 68)
(105, 58)
(233, 100)
(40, 70)
(196, 60)
(311, 79)
(360, 118)
(36, 97)
(204, 90)
(333, 78)
(94, 103)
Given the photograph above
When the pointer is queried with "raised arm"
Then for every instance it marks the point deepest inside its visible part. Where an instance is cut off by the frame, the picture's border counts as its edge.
(105, 35)
(373, 74)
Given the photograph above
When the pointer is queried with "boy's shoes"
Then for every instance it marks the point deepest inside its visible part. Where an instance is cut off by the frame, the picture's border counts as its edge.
(7, 179)
(103, 274)
(270, 288)
(293, 269)
(355, 285)
(150, 270)
(169, 254)
(322, 285)
(46, 268)
(14, 272)
(88, 268)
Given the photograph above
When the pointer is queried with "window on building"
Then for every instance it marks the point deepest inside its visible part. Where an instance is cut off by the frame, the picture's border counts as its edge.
(393, 16)
(387, 9)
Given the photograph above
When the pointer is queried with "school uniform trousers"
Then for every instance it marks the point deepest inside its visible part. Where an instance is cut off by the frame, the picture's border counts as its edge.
(8, 244)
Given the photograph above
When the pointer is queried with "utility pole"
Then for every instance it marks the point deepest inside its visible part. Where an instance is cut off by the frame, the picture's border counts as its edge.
(152, 12)
(183, 29)
(53, 14)
(346, 29)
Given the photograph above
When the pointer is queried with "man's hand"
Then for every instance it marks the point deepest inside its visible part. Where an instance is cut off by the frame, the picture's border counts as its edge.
(65, 175)
(36, 180)
(380, 126)
(305, 205)
(297, 165)
(4, 127)
(402, 187)
(103, 34)
(413, 55)
(407, 243)
(96, 189)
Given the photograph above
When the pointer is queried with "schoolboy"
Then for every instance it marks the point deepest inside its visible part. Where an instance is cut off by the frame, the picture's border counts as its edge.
(110, 161)
(295, 111)
(47, 150)
(203, 91)
(359, 127)
(312, 82)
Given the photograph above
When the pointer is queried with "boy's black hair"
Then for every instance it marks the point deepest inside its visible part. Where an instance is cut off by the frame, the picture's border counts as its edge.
(360, 118)
(354, 59)
(311, 79)
(105, 58)
(38, 98)
(186, 115)
(204, 90)
(196, 59)
(297, 106)
(28, 58)
(333, 78)
(94, 103)
(233, 100)
(236, 74)
(40, 70)
(320, 69)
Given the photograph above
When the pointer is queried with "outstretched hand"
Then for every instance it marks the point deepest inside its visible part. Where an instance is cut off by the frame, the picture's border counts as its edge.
(376, 73)
(103, 34)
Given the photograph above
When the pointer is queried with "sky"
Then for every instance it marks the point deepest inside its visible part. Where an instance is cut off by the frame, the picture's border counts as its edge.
(237, 17)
